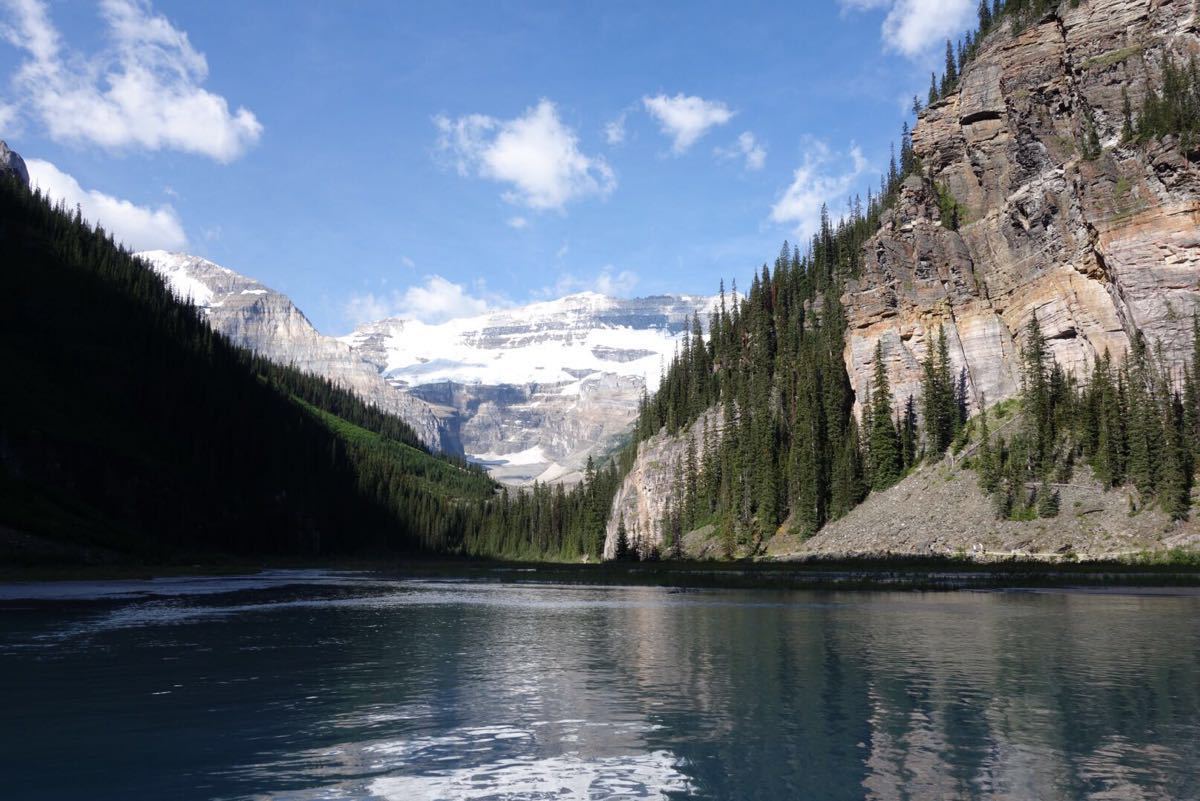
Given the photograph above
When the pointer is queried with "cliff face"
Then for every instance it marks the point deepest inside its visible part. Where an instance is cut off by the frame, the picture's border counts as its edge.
(11, 163)
(1093, 248)
(643, 495)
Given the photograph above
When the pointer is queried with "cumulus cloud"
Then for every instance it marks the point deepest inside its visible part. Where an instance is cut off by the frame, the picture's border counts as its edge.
(609, 281)
(818, 181)
(748, 148)
(536, 154)
(436, 300)
(139, 227)
(686, 118)
(143, 90)
(912, 27)
(517, 222)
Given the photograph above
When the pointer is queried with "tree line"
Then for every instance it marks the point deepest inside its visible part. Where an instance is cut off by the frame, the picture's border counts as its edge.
(130, 425)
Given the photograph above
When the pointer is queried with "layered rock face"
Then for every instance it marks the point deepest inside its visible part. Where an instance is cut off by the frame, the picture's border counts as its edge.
(1094, 248)
(642, 497)
(11, 163)
(268, 323)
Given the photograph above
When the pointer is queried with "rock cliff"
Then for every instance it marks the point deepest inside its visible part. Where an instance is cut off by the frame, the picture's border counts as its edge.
(1094, 247)
(643, 495)
(11, 163)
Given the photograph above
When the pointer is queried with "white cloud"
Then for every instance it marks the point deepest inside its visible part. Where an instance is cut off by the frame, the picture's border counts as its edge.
(142, 91)
(816, 182)
(139, 227)
(686, 118)
(747, 147)
(8, 116)
(913, 27)
(408, 262)
(436, 300)
(609, 281)
(535, 153)
(517, 222)
(614, 131)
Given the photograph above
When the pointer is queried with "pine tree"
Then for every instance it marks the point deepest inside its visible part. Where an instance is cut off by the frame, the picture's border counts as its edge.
(885, 455)
(908, 433)
(985, 17)
(1047, 500)
(950, 75)
(622, 550)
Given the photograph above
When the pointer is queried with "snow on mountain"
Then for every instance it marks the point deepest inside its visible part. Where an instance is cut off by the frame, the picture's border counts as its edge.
(529, 392)
(267, 322)
(540, 387)
(555, 342)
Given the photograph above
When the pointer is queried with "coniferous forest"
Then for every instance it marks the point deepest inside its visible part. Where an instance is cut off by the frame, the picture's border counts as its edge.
(128, 424)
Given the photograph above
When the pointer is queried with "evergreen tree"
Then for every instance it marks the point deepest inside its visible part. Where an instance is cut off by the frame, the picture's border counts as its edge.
(1047, 500)
(622, 551)
(885, 453)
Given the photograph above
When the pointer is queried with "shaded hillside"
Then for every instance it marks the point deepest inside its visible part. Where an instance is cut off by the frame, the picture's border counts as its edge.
(127, 423)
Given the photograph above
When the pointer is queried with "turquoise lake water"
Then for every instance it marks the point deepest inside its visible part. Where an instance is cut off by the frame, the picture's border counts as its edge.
(305, 685)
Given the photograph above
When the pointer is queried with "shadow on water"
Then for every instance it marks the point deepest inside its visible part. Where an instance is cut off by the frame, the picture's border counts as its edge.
(363, 687)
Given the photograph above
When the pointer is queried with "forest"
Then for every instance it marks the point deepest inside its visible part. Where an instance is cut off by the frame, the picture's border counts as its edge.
(132, 426)
(129, 426)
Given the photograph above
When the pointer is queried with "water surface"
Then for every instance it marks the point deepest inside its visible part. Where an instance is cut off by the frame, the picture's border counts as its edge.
(340, 686)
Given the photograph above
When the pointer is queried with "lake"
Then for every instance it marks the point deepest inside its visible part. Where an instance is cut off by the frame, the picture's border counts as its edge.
(311, 685)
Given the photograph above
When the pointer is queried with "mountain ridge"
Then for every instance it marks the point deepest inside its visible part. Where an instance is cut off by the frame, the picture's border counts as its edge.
(557, 379)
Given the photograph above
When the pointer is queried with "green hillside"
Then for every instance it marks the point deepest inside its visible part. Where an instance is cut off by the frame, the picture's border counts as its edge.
(126, 423)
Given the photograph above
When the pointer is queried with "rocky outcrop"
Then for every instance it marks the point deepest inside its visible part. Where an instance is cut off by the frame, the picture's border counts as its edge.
(539, 432)
(1095, 248)
(11, 163)
(268, 323)
(647, 489)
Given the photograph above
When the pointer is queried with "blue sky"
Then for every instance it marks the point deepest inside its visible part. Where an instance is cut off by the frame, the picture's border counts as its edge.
(433, 159)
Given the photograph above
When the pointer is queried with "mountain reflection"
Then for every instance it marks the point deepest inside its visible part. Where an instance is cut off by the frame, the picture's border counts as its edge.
(414, 690)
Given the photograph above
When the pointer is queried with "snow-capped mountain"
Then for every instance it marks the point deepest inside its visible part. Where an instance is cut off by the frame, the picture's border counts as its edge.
(267, 322)
(539, 387)
(530, 391)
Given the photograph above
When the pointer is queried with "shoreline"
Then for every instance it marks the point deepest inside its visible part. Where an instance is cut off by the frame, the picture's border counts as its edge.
(911, 573)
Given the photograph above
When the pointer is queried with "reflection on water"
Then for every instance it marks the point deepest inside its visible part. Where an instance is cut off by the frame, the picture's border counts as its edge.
(361, 688)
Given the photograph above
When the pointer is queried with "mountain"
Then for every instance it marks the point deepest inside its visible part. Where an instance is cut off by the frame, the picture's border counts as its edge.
(529, 392)
(268, 323)
(537, 388)
(12, 164)
(131, 427)
(1097, 244)
(1038, 241)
